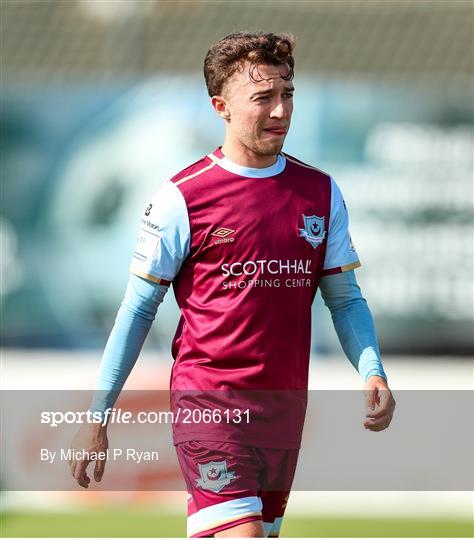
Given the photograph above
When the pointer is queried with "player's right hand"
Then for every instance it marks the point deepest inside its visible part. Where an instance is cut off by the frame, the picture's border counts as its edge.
(90, 438)
(380, 404)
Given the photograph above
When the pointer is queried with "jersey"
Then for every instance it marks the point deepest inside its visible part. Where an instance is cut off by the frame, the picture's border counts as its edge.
(244, 249)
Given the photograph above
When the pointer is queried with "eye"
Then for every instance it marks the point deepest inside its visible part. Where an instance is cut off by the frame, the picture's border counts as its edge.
(263, 98)
(288, 95)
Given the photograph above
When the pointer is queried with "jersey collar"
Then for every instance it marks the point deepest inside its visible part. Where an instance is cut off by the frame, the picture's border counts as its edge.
(249, 172)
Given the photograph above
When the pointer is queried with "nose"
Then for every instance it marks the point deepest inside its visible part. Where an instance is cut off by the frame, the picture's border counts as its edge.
(278, 111)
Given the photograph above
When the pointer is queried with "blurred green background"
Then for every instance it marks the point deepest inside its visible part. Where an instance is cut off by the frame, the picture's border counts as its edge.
(102, 101)
(151, 524)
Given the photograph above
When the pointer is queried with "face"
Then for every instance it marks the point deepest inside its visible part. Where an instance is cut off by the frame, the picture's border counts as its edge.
(257, 114)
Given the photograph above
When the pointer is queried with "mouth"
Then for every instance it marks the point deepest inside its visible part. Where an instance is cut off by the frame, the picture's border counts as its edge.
(278, 131)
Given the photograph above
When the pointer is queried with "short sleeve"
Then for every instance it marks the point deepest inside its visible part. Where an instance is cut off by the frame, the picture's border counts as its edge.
(164, 237)
(341, 255)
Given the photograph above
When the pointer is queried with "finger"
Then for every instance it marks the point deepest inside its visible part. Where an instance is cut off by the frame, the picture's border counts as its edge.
(378, 413)
(370, 398)
(377, 417)
(72, 466)
(378, 424)
(371, 422)
(385, 405)
(83, 481)
(99, 469)
(385, 399)
(80, 473)
(378, 427)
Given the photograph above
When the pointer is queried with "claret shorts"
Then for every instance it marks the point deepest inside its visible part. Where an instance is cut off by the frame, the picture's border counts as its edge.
(229, 484)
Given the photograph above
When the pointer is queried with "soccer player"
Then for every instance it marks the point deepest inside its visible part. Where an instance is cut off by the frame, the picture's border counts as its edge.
(246, 235)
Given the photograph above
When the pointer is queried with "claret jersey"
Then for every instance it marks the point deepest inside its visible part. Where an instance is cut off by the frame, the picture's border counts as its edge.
(245, 250)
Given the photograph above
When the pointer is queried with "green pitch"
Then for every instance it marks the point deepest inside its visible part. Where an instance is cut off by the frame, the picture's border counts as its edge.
(136, 523)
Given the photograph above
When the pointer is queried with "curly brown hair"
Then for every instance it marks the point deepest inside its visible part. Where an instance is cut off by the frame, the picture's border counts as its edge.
(231, 52)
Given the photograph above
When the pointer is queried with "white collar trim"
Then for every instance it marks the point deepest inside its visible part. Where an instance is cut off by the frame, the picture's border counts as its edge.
(251, 172)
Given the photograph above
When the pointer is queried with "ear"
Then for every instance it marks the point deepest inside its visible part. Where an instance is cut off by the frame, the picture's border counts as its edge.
(220, 105)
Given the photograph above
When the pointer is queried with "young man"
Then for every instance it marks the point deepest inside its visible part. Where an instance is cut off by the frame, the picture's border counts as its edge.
(246, 235)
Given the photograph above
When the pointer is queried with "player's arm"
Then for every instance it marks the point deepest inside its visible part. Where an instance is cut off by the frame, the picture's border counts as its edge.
(162, 246)
(351, 315)
(356, 331)
(132, 324)
(353, 323)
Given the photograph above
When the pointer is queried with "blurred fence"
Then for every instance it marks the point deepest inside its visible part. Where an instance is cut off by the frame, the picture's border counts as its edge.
(411, 40)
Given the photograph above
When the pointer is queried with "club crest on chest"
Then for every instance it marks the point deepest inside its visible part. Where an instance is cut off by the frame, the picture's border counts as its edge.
(314, 230)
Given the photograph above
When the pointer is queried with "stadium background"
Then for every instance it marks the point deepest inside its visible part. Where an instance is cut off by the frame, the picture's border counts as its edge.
(102, 101)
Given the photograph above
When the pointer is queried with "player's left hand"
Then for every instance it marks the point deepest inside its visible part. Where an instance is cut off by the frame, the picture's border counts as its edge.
(379, 404)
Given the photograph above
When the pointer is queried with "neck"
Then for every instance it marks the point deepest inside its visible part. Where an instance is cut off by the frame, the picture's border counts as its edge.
(245, 157)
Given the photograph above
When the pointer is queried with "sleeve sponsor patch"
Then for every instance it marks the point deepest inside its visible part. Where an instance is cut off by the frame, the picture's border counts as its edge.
(147, 245)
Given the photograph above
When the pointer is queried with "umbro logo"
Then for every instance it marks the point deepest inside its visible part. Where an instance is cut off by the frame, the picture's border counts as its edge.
(222, 234)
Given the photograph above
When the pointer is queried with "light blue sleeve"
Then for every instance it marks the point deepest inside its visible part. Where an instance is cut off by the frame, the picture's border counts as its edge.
(164, 237)
(353, 322)
(341, 255)
(162, 246)
(133, 321)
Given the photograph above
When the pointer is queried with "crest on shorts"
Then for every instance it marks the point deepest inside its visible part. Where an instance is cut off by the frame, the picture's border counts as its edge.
(313, 231)
(214, 475)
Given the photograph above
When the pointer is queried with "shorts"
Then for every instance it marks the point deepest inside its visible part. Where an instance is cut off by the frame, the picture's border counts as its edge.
(229, 484)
